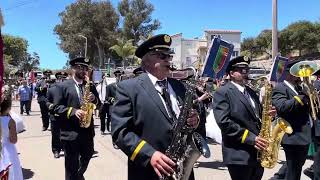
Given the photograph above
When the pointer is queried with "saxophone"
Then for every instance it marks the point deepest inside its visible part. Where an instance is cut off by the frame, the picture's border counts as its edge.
(269, 157)
(87, 107)
(186, 146)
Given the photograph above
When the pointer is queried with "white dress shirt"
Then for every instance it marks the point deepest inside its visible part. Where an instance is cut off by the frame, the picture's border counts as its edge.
(241, 89)
(173, 96)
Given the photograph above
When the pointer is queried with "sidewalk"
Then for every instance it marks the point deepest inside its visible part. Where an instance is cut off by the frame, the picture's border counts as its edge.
(34, 147)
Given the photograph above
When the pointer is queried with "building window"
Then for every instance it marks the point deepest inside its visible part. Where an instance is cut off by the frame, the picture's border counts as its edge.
(188, 61)
(235, 53)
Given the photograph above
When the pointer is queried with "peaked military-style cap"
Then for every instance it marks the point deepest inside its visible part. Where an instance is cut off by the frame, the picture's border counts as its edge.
(138, 70)
(47, 72)
(240, 61)
(61, 74)
(118, 72)
(159, 42)
(79, 61)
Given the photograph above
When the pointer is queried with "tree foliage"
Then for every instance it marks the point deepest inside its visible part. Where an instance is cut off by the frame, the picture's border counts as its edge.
(97, 21)
(15, 49)
(137, 19)
(30, 61)
(124, 49)
(301, 36)
(16, 57)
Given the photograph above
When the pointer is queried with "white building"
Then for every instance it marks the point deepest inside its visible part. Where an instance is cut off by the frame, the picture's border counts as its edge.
(192, 52)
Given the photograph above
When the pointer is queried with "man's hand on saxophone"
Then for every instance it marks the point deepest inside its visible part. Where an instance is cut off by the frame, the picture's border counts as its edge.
(162, 164)
(193, 119)
(261, 143)
(91, 97)
(80, 114)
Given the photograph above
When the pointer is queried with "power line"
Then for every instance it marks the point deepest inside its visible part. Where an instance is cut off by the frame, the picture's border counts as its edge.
(20, 4)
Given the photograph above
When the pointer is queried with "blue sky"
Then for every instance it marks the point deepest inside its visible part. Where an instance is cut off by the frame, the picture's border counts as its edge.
(34, 20)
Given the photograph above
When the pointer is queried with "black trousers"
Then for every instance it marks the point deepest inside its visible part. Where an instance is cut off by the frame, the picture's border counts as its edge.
(44, 114)
(245, 172)
(296, 156)
(24, 104)
(77, 157)
(103, 114)
(316, 159)
(56, 145)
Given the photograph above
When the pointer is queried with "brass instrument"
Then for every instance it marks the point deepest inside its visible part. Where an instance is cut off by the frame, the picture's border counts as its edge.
(304, 70)
(186, 145)
(87, 107)
(269, 157)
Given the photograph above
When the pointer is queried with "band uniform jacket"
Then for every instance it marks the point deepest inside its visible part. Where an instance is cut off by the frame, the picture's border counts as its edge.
(239, 124)
(67, 103)
(111, 93)
(52, 92)
(317, 123)
(289, 108)
(41, 89)
(140, 124)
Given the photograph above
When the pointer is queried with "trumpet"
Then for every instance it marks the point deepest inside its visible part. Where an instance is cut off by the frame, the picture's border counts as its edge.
(304, 70)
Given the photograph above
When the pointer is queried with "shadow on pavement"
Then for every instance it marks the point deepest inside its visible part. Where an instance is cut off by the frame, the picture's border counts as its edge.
(27, 173)
(213, 165)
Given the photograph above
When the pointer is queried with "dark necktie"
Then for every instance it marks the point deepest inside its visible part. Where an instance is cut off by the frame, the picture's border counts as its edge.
(166, 96)
(248, 97)
(80, 92)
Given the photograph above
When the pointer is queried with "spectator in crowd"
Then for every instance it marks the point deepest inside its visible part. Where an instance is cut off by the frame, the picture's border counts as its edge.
(24, 94)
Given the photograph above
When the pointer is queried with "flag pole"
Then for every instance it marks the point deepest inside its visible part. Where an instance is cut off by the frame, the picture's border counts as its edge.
(274, 29)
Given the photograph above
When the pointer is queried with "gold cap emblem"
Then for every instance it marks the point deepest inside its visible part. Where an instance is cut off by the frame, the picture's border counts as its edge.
(167, 38)
(246, 58)
(86, 60)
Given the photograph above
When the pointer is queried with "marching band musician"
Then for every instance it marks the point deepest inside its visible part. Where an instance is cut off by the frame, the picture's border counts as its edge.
(77, 141)
(41, 89)
(142, 119)
(316, 135)
(110, 97)
(56, 145)
(237, 111)
(292, 105)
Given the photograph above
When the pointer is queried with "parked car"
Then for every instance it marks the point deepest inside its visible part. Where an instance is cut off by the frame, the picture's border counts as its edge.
(257, 72)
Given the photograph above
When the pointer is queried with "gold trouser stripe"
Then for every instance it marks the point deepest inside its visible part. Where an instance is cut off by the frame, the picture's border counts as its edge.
(137, 150)
(69, 112)
(299, 100)
(245, 134)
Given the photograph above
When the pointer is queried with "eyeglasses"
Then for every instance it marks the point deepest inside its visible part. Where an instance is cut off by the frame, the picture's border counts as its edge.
(162, 56)
(242, 70)
(83, 68)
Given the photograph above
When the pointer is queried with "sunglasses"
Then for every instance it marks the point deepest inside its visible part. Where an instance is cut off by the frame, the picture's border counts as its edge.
(242, 70)
(162, 56)
(83, 68)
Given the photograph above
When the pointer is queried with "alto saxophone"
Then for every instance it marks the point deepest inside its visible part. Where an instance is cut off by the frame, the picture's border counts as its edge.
(186, 146)
(87, 107)
(269, 157)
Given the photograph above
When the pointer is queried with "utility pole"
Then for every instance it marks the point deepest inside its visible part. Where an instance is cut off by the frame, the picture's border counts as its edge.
(274, 28)
(86, 47)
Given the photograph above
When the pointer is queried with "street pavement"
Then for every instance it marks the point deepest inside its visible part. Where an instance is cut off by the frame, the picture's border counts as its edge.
(38, 163)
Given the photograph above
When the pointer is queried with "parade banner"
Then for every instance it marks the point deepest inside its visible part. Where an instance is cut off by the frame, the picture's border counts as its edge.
(217, 59)
(97, 76)
(278, 69)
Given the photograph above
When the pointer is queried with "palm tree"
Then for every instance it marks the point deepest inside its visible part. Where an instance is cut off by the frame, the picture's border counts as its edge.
(124, 49)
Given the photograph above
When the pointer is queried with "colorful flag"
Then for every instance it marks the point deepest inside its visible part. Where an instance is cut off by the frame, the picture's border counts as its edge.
(278, 70)
(217, 59)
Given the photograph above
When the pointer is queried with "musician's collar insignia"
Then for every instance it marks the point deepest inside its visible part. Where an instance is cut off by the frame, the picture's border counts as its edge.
(86, 60)
(166, 38)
